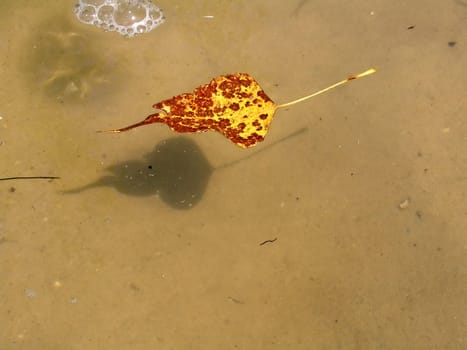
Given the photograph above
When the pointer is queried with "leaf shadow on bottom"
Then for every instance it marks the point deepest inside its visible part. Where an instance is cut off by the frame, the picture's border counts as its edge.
(177, 171)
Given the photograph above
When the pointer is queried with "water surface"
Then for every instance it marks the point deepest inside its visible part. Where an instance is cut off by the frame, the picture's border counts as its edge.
(363, 214)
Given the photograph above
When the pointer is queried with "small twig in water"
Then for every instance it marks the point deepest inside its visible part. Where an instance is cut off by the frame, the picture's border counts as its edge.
(268, 241)
(29, 178)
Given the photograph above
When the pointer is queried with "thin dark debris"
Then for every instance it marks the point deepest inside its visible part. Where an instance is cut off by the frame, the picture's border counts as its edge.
(268, 241)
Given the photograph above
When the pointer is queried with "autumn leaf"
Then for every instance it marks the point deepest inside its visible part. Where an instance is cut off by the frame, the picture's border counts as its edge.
(234, 105)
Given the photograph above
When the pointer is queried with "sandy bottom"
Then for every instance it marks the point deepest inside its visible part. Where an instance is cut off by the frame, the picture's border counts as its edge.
(344, 229)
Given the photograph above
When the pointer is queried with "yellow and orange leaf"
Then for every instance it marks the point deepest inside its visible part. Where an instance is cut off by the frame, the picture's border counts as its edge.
(234, 105)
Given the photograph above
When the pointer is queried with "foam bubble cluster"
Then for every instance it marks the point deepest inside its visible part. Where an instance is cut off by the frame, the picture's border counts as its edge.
(126, 17)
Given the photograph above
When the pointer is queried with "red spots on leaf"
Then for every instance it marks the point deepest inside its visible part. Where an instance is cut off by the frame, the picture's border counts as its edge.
(263, 95)
(224, 123)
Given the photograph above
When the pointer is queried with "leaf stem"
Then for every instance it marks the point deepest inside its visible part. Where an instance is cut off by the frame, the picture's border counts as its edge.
(353, 77)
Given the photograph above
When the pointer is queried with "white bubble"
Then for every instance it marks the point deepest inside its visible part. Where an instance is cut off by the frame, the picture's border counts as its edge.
(141, 29)
(88, 14)
(106, 14)
(127, 17)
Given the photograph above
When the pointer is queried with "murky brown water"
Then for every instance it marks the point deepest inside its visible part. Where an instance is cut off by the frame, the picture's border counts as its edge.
(368, 205)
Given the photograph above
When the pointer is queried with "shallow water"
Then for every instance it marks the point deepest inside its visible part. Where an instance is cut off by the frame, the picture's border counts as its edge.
(365, 209)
